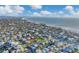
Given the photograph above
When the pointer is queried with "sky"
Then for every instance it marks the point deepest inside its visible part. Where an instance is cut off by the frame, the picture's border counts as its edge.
(40, 10)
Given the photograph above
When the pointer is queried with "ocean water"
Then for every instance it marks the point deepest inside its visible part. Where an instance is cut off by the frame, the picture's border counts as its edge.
(64, 22)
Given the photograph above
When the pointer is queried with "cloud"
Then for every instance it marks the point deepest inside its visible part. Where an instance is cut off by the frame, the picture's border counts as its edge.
(5, 10)
(11, 10)
(69, 9)
(36, 7)
(73, 11)
(76, 14)
(19, 9)
(44, 12)
(36, 14)
(60, 12)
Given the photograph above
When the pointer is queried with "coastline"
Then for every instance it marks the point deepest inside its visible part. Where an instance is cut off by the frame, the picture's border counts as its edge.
(57, 26)
(65, 28)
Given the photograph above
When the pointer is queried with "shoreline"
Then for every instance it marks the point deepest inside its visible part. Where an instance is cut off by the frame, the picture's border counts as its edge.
(57, 26)
(62, 27)
(65, 28)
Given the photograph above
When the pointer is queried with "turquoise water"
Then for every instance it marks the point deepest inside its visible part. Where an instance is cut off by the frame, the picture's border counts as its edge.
(66, 22)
